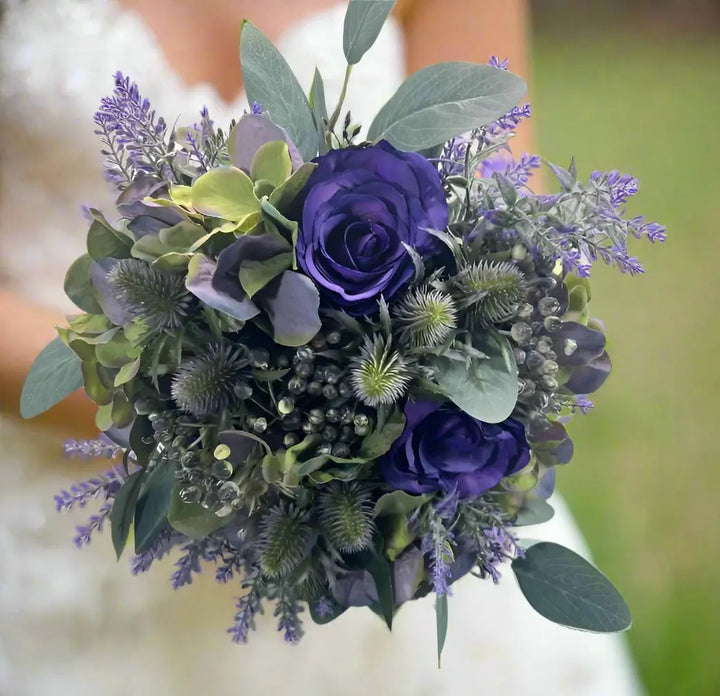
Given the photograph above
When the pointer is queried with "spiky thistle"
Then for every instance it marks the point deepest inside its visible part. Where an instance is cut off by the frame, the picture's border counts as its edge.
(379, 375)
(426, 317)
(345, 513)
(204, 385)
(491, 290)
(284, 541)
(156, 296)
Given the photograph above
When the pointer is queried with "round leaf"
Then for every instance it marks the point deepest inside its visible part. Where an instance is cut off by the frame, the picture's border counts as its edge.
(224, 192)
(485, 389)
(55, 374)
(566, 589)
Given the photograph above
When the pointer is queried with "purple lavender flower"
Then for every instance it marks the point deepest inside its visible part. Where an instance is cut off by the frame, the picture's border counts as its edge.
(135, 138)
(95, 523)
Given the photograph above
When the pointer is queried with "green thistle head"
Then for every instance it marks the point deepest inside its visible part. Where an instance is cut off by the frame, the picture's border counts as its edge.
(157, 297)
(204, 385)
(345, 513)
(284, 541)
(491, 290)
(379, 375)
(426, 317)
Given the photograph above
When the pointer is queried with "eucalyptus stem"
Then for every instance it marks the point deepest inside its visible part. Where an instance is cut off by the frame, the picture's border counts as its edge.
(336, 114)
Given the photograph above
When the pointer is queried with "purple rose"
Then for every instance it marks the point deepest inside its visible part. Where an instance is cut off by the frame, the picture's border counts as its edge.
(443, 448)
(362, 206)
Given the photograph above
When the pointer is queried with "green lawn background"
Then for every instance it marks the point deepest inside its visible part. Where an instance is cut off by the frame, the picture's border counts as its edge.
(645, 480)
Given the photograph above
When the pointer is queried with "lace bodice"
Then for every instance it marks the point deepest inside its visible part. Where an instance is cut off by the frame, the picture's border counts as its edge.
(57, 60)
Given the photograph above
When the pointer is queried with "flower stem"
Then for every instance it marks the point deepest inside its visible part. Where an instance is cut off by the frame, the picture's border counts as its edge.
(336, 113)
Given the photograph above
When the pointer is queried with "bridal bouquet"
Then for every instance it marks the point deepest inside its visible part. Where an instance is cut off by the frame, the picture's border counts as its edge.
(339, 364)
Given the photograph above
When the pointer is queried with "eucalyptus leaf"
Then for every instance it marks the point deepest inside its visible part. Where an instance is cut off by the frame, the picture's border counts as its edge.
(484, 389)
(319, 108)
(123, 511)
(444, 100)
(363, 21)
(269, 81)
(55, 374)
(534, 511)
(153, 505)
(335, 611)
(563, 587)
(78, 286)
(441, 622)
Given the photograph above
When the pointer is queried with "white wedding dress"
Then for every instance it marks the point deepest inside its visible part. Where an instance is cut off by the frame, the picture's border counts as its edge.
(75, 623)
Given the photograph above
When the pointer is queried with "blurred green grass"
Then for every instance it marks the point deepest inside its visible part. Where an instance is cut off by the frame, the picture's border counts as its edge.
(645, 480)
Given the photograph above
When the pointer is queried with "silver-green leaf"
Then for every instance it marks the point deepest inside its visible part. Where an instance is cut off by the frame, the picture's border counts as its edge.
(54, 375)
(444, 100)
(363, 21)
(484, 389)
(269, 81)
(563, 587)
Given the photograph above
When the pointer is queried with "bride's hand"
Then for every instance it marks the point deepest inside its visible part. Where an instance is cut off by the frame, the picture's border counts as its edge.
(24, 331)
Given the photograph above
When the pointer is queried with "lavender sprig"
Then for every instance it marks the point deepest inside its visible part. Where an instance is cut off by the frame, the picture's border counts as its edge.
(288, 611)
(438, 545)
(248, 606)
(95, 523)
(98, 448)
(80, 493)
(134, 136)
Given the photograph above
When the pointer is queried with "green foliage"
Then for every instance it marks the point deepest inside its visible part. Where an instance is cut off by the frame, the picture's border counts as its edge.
(78, 287)
(444, 100)
(54, 374)
(192, 519)
(399, 503)
(269, 81)
(564, 588)
(533, 511)
(486, 389)
(103, 240)
(345, 515)
(441, 623)
(123, 510)
(153, 504)
(271, 163)
(363, 21)
(227, 193)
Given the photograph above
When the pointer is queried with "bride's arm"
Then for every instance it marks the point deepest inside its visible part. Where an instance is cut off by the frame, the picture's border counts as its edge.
(440, 30)
(25, 329)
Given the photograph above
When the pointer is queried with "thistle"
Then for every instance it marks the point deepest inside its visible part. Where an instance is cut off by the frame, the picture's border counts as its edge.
(204, 385)
(379, 375)
(491, 290)
(157, 297)
(346, 516)
(284, 541)
(426, 317)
